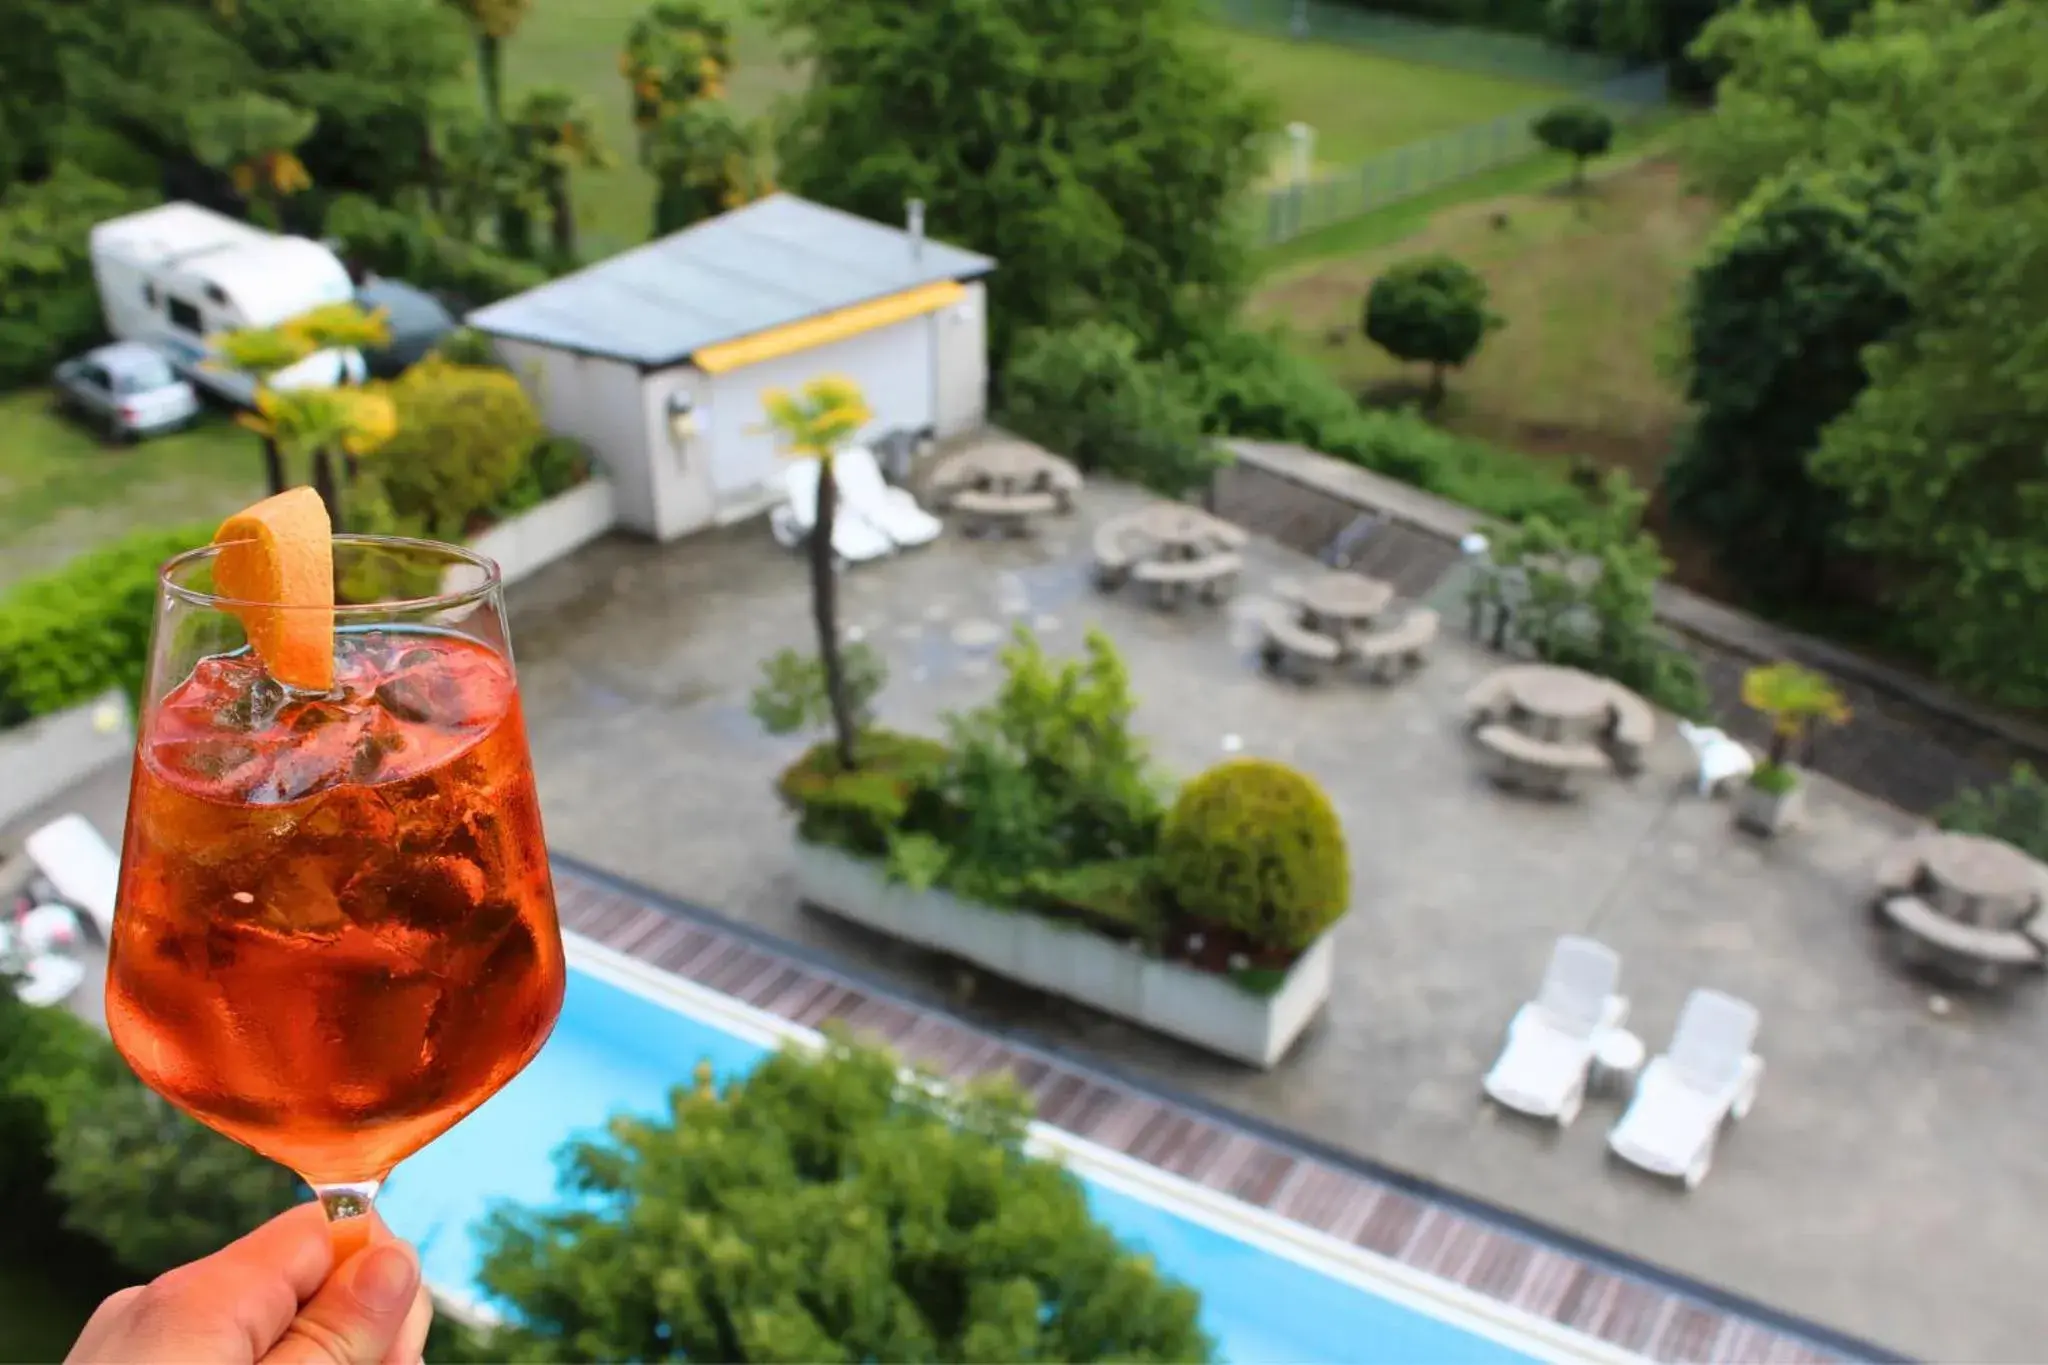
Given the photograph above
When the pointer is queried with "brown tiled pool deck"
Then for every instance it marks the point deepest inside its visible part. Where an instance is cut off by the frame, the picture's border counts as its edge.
(1550, 1275)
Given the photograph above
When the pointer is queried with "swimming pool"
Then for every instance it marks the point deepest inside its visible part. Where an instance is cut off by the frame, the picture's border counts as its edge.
(1271, 1290)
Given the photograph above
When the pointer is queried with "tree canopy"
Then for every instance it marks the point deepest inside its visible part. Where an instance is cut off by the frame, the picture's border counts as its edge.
(1100, 152)
(824, 1209)
(1431, 309)
(1580, 131)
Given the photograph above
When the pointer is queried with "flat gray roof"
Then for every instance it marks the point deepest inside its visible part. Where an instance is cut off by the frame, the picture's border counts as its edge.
(779, 260)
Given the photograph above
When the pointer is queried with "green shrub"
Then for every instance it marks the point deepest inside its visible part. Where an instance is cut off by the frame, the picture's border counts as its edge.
(791, 695)
(1253, 386)
(468, 346)
(861, 810)
(463, 438)
(69, 635)
(398, 244)
(1121, 898)
(1085, 393)
(2015, 810)
(1255, 846)
(49, 307)
(1432, 310)
(559, 463)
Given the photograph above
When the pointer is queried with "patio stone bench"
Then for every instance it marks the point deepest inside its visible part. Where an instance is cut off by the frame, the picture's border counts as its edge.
(1535, 764)
(1985, 956)
(1063, 481)
(983, 512)
(1292, 650)
(1635, 729)
(1405, 644)
(1114, 556)
(1213, 576)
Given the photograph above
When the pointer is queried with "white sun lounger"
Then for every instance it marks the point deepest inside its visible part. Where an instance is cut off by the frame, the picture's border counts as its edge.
(1543, 1068)
(855, 539)
(892, 510)
(48, 980)
(1709, 1075)
(81, 865)
(1720, 758)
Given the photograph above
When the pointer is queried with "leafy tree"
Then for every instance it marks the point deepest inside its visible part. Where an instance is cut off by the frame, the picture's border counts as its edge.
(1101, 152)
(2015, 810)
(826, 1209)
(31, 86)
(792, 696)
(1798, 282)
(49, 307)
(554, 132)
(1084, 392)
(462, 439)
(254, 139)
(1430, 309)
(1940, 458)
(481, 177)
(815, 423)
(1583, 593)
(678, 53)
(1580, 131)
(705, 160)
(493, 21)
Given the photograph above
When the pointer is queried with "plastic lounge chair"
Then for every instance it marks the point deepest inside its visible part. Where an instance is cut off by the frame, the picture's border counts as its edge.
(48, 980)
(854, 538)
(48, 927)
(1542, 1070)
(1707, 1076)
(892, 510)
(80, 865)
(1720, 757)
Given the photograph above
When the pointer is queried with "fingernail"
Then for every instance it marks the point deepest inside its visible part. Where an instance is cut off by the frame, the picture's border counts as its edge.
(386, 1279)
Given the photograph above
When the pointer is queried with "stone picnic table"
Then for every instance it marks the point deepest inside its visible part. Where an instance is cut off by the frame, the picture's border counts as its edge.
(1547, 726)
(1964, 904)
(1005, 487)
(1337, 618)
(1339, 602)
(1172, 548)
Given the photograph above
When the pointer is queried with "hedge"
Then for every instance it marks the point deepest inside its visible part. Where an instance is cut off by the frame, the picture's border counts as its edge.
(49, 306)
(70, 635)
(389, 242)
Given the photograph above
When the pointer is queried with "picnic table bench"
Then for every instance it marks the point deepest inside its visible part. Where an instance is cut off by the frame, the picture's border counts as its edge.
(1404, 644)
(1212, 575)
(983, 512)
(1983, 955)
(1539, 765)
(1291, 649)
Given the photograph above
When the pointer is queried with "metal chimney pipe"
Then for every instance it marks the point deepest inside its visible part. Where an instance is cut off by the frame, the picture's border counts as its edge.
(916, 208)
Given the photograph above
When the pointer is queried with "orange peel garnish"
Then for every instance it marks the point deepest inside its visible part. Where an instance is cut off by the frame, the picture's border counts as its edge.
(276, 561)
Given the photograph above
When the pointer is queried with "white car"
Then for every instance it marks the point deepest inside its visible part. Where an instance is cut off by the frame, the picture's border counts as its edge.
(129, 389)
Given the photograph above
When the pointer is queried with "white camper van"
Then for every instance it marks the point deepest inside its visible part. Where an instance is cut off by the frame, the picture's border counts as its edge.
(174, 275)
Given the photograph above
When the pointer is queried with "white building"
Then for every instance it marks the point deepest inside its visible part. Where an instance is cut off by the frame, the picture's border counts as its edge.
(657, 358)
(176, 274)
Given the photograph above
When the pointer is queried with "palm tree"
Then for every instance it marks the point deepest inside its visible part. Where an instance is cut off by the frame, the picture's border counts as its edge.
(553, 133)
(815, 423)
(676, 54)
(1796, 700)
(493, 21)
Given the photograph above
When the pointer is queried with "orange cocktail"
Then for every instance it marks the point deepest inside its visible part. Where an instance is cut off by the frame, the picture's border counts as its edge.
(336, 930)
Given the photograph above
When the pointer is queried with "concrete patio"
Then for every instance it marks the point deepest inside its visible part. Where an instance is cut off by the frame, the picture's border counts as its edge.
(1888, 1183)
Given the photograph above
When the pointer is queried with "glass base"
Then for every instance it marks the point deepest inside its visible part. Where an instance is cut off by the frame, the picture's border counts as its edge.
(350, 1208)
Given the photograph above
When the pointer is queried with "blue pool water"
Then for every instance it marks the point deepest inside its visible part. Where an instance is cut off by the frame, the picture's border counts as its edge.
(615, 1049)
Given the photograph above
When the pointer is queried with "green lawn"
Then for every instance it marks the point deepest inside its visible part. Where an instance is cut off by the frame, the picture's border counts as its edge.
(64, 490)
(1361, 103)
(576, 43)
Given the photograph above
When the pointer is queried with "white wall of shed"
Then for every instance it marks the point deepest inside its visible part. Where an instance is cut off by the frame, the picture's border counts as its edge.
(598, 402)
(684, 500)
(960, 346)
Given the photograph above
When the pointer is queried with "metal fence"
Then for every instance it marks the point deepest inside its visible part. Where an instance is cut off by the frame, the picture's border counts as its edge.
(1286, 212)
(1520, 56)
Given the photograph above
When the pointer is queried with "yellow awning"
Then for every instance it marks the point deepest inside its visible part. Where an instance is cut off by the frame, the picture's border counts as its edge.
(827, 327)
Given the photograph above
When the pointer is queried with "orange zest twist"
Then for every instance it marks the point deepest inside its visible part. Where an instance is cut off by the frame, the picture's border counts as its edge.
(276, 564)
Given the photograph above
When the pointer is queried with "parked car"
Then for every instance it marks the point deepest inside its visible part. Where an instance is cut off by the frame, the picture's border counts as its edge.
(417, 319)
(129, 389)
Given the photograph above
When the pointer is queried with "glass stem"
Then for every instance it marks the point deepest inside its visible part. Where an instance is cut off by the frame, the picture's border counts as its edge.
(349, 1207)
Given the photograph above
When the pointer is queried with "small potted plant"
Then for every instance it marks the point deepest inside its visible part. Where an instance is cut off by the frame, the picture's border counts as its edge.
(1796, 700)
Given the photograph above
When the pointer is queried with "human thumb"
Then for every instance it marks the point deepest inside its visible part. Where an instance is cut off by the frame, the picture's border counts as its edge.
(362, 1315)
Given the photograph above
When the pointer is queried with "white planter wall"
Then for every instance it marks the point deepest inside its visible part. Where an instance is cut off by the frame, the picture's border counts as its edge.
(50, 753)
(529, 542)
(1196, 1007)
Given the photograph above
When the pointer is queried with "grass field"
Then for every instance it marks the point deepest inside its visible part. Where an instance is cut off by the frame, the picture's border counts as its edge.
(63, 490)
(1361, 103)
(1588, 287)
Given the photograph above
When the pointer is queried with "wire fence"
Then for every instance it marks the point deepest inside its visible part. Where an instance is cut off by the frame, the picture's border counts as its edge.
(1520, 56)
(1288, 211)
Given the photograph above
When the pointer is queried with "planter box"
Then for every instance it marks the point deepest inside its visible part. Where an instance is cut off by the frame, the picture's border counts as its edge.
(525, 544)
(1197, 1007)
(1769, 813)
(50, 753)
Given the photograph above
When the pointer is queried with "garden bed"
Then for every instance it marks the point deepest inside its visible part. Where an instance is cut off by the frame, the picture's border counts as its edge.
(526, 543)
(44, 756)
(1209, 1009)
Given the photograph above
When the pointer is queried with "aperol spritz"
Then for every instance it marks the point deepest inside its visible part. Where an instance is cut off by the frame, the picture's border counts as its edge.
(336, 932)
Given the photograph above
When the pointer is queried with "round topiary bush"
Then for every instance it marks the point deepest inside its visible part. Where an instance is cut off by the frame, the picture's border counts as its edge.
(1255, 846)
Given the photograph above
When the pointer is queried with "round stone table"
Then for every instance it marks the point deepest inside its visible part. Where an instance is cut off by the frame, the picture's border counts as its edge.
(1560, 700)
(1012, 468)
(1981, 881)
(1345, 599)
(1182, 532)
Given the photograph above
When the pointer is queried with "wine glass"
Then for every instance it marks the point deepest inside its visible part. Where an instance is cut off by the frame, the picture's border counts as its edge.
(335, 934)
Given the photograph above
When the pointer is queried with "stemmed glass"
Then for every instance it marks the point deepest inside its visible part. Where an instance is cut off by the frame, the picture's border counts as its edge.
(335, 934)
